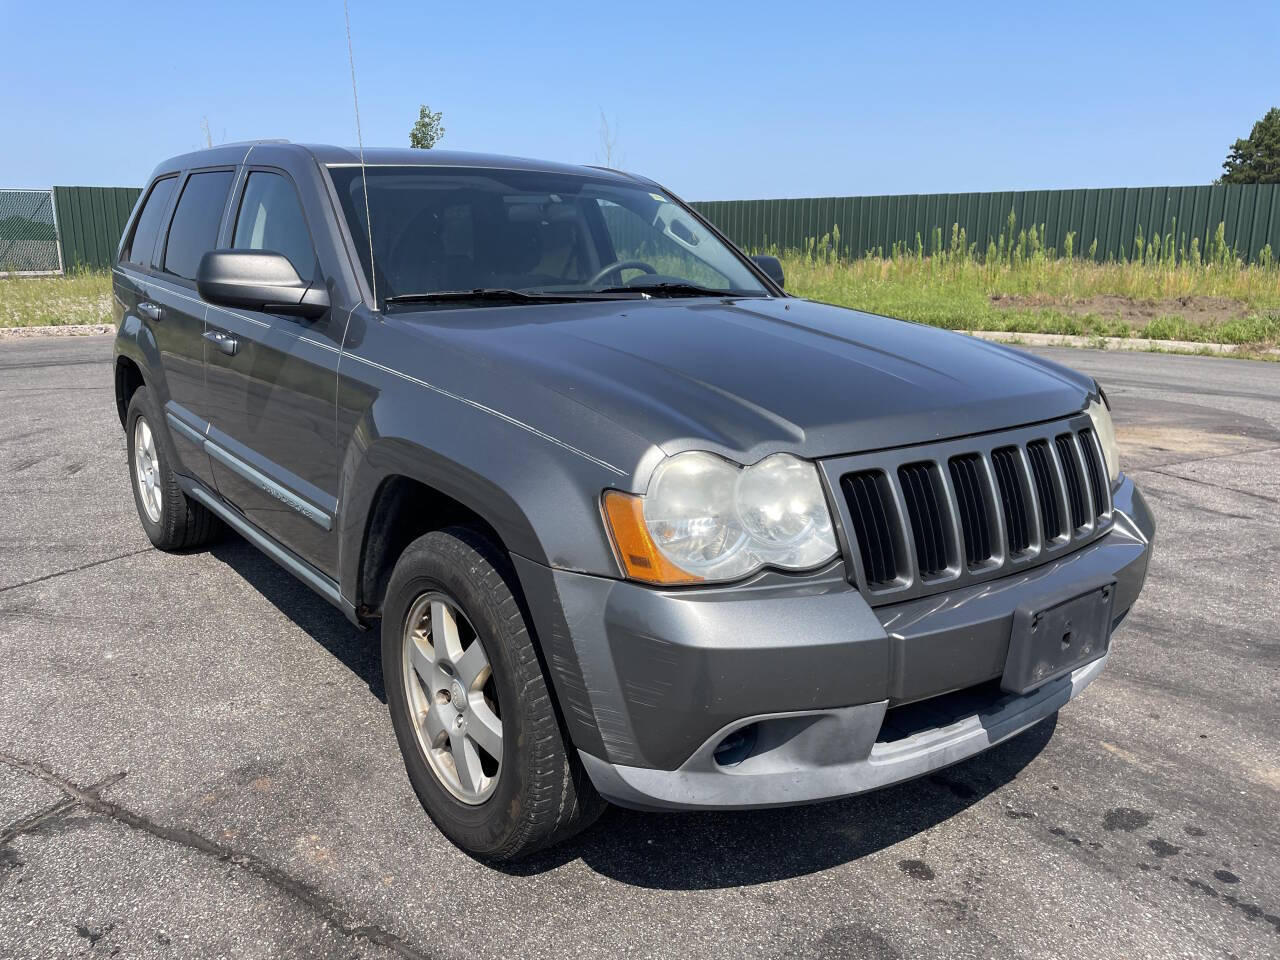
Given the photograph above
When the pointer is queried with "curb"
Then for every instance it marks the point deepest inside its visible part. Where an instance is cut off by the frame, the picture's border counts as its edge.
(1115, 343)
(57, 330)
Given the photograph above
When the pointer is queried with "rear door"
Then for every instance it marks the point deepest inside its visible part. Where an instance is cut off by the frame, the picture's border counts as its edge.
(129, 280)
(166, 305)
(272, 383)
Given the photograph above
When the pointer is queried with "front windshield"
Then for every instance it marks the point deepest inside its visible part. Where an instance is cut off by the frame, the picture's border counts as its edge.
(442, 230)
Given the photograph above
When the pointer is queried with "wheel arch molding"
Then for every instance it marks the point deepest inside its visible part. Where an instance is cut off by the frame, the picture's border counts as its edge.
(396, 492)
(136, 363)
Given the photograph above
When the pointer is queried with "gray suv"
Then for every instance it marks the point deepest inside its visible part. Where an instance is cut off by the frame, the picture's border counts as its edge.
(635, 524)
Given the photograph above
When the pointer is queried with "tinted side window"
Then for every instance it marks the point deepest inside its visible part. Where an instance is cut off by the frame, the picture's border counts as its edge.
(143, 240)
(271, 218)
(194, 229)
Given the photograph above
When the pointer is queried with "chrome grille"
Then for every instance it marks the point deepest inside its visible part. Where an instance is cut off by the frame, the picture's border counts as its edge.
(922, 519)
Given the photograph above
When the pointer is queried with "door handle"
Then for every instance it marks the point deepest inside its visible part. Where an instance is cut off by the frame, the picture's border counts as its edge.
(223, 341)
(152, 311)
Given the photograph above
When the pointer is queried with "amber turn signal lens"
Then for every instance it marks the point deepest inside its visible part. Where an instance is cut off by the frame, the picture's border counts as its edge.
(637, 554)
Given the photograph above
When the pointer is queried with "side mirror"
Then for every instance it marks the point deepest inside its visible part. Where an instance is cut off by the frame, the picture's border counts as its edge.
(772, 268)
(258, 280)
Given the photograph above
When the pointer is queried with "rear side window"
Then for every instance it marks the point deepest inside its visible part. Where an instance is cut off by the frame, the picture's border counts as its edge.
(194, 229)
(143, 240)
(271, 219)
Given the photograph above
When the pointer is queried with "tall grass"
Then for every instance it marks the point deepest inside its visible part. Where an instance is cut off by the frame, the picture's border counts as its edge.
(1163, 288)
(83, 297)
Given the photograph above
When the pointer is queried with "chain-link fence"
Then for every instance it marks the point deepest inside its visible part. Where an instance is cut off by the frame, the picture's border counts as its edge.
(28, 233)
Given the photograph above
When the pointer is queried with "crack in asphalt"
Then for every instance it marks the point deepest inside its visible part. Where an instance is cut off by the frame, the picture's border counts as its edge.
(42, 364)
(1212, 456)
(66, 804)
(332, 914)
(1216, 486)
(27, 824)
(83, 566)
(1180, 388)
(59, 390)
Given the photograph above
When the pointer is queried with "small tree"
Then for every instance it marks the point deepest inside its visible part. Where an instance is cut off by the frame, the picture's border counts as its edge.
(608, 142)
(1257, 159)
(428, 131)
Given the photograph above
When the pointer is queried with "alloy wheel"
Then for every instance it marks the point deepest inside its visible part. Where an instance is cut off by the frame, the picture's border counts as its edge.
(452, 698)
(146, 469)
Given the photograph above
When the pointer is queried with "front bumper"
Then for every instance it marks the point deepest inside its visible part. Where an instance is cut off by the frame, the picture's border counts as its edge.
(835, 753)
(650, 682)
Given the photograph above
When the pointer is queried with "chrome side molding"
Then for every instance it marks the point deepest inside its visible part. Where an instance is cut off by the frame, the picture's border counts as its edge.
(254, 476)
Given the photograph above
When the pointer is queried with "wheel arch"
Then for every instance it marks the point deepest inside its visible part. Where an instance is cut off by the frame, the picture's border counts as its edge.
(137, 364)
(401, 491)
(128, 380)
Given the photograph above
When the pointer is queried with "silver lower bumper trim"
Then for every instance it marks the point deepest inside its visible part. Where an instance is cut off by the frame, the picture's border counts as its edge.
(828, 754)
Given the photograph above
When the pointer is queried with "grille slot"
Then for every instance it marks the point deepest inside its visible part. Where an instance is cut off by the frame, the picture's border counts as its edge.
(870, 508)
(966, 477)
(1071, 475)
(922, 491)
(1042, 474)
(1012, 501)
(1093, 471)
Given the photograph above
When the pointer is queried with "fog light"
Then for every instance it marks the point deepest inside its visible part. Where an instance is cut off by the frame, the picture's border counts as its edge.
(737, 746)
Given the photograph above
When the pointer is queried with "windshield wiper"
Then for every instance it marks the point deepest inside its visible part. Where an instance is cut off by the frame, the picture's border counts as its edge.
(670, 289)
(501, 295)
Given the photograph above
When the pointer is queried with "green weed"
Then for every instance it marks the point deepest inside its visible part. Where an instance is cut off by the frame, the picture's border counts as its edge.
(83, 297)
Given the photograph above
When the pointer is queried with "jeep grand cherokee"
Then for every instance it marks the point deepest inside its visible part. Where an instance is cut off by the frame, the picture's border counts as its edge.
(636, 524)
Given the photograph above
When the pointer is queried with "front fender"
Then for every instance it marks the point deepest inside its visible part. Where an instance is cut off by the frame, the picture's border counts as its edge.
(543, 502)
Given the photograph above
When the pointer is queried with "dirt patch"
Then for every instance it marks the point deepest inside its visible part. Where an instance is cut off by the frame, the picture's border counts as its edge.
(1202, 311)
(1184, 441)
(1154, 445)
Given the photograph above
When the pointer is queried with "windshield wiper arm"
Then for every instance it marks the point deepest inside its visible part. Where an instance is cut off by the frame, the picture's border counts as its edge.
(672, 290)
(499, 294)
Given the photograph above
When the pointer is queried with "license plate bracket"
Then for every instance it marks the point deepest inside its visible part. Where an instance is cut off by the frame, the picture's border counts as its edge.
(1058, 634)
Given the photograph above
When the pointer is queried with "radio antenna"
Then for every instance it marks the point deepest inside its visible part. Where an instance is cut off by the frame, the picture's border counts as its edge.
(364, 180)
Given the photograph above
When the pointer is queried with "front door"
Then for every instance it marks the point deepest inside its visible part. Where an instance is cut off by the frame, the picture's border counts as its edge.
(169, 306)
(271, 386)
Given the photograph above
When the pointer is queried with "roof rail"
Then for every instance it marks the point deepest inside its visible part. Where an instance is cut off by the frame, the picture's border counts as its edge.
(247, 143)
(621, 173)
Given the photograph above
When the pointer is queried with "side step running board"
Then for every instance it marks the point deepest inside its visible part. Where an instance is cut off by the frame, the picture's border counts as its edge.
(313, 578)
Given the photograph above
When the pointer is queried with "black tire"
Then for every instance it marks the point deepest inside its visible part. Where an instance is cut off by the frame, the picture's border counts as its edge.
(542, 794)
(182, 523)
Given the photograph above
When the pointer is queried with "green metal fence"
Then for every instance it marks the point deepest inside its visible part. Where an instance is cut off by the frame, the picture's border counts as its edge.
(90, 222)
(1249, 213)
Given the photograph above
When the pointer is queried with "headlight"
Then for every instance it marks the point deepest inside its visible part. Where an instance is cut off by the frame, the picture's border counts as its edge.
(705, 518)
(1100, 413)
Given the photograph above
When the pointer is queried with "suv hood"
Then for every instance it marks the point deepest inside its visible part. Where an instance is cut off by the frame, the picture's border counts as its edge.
(753, 376)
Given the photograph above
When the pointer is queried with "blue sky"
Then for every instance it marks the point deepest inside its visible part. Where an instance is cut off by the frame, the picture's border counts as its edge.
(717, 100)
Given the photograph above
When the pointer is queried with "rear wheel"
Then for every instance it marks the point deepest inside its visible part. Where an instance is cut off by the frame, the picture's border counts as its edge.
(172, 520)
(470, 705)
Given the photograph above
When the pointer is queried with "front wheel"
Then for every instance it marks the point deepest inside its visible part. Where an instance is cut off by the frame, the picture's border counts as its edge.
(470, 706)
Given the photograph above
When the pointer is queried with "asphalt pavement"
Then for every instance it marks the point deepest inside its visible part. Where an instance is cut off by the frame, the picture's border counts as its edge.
(195, 756)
